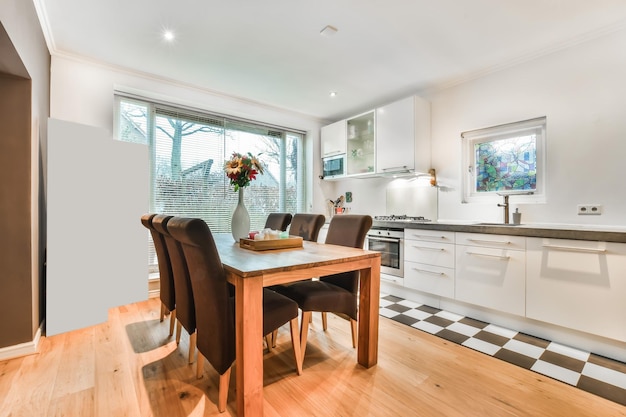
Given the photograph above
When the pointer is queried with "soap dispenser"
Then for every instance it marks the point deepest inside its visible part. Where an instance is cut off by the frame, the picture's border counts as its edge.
(517, 217)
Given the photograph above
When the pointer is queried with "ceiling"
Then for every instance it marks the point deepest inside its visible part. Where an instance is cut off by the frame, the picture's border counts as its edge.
(272, 52)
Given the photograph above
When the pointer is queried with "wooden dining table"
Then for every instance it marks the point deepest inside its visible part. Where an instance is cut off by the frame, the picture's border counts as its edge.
(249, 271)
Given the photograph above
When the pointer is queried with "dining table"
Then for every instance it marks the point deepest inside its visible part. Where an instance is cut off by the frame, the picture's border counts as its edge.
(251, 270)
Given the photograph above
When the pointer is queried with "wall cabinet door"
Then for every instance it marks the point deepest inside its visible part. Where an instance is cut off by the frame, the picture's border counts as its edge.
(333, 139)
(578, 284)
(491, 277)
(361, 144)
(403, 136)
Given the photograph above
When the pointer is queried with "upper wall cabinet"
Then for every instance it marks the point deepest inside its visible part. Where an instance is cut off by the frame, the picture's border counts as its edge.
(403, 136)
(333, 139)
(361, 144)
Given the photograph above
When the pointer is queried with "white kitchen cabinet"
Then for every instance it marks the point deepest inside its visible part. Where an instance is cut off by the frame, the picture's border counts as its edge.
(429, 261)
(333, 139)
(403, 136)
(578, 284)
(491, 271)
(361, 144)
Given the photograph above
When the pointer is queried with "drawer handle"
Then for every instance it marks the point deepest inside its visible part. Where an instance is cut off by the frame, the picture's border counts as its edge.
(499, 242)
(427, 248)
(575, 249)
(428, 236)
(389, 279)
(429, 272)
(488, 255)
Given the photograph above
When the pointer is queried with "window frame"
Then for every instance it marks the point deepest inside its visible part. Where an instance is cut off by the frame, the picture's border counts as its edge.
(538, 126)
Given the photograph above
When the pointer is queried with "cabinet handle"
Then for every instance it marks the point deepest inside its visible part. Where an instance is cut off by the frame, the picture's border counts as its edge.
(389, 279)
(428, 236)
(424, 271)
(575, 249)
(403, 167)
(427, 248)
(499, 242)
(488, 255)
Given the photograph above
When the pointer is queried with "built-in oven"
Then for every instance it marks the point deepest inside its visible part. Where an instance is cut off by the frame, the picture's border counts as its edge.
(389, 241)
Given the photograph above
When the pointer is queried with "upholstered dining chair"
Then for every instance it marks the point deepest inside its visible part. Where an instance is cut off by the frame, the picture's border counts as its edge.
(166, 278)
(278, 221)
(307, 225)
(215, 303)
(185, 308)
(335, 293)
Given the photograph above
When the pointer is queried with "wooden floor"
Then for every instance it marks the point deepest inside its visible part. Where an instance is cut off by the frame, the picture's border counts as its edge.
(129, 367)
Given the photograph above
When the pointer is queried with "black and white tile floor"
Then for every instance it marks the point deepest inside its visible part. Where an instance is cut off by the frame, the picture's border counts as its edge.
(596, 374)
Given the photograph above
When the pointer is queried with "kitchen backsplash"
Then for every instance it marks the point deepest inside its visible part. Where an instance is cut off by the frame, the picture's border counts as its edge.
(411, 198)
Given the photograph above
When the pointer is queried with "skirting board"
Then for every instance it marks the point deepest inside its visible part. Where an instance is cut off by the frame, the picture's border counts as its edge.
(23, 349)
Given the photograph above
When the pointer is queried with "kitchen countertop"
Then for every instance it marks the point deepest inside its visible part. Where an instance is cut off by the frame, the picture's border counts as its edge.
(555, 231)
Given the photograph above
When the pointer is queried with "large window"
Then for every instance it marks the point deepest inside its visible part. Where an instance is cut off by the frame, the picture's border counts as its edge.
(187, 154)
(504, 159)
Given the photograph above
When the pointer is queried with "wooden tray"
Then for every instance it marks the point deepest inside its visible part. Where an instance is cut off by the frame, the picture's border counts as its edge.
(290, 242)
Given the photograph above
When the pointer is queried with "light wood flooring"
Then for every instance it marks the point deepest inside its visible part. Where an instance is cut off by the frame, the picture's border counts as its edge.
(129, 367)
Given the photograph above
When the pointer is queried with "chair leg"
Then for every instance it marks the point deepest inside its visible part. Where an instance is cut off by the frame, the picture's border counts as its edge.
(179, 327)
(274, 337)
(304, 330)
(268, 342)
(295, 341)
(192, 346)
(199, 365)
(223, 390)
(354, 332)
(324, 321)
(162, 312)
(172, 321)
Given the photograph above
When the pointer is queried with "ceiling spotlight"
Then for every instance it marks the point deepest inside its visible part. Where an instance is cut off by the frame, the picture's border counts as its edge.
(328, 31)
(333, 94)
(168, 35)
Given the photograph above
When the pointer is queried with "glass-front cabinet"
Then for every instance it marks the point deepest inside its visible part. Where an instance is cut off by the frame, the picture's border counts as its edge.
(361, 144)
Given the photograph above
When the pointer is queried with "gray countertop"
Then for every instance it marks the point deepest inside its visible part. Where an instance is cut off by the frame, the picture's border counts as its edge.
(556, 231)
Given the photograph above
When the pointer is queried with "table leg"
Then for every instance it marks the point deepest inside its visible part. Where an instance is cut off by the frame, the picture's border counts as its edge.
(367, 351)
(249, 329)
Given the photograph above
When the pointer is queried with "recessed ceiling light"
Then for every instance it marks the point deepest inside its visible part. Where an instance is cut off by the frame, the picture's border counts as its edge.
(328, 31)
(333, 94)
(168, 35)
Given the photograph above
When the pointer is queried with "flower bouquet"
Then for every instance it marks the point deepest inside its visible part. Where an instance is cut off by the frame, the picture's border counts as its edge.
(242, 168)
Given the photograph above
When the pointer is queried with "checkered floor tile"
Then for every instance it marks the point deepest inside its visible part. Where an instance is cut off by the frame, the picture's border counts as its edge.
(596, 374)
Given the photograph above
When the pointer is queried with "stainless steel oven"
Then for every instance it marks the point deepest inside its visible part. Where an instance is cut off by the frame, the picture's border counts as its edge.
(389, 241)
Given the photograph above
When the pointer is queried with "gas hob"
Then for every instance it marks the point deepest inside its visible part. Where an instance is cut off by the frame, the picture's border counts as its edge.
(402, 218)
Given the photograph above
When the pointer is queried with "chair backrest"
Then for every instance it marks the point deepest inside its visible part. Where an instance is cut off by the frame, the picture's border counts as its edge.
(185, 308)
(214, 305)
(307, 225)
(347, 230)
(278, 221)
(166, 277)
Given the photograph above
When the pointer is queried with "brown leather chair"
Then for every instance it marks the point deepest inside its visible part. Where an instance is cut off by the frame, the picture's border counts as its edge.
(278, 221)
(185, 308)
(166, 278)
(215, 304)
(335, 293)
(307, 226)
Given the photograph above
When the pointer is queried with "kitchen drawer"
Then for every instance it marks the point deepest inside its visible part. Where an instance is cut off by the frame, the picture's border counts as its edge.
(430, 235)
(431, 253)
(491, 241)
(491, 277)
(428, 278)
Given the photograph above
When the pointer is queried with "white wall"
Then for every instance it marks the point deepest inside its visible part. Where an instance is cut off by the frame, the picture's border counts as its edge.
(582, 92)
(82, 92)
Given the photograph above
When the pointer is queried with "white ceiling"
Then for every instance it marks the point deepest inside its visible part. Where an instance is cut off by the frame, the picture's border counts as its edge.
(272, 52)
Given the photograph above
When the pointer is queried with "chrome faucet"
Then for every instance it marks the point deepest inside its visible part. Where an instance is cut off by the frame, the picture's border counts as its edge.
(506, 207)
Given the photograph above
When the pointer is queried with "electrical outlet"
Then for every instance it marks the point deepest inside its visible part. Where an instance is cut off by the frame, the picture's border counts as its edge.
(584, 209)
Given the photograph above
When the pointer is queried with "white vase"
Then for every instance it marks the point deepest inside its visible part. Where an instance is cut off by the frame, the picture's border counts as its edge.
(240, 224)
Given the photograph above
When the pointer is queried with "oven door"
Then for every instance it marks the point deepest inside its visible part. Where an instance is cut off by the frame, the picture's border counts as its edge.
(391, 254)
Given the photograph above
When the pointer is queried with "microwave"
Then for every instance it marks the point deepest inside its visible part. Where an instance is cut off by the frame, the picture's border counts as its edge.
(334, 166)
